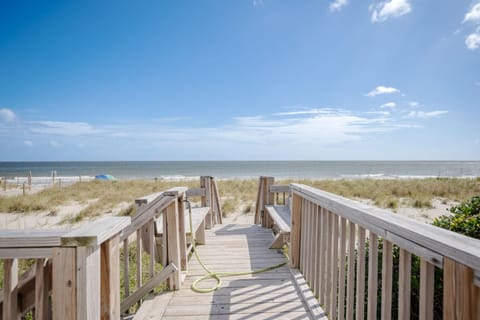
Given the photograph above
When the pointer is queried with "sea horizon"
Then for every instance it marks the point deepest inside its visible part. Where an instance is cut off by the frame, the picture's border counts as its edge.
(242, 169)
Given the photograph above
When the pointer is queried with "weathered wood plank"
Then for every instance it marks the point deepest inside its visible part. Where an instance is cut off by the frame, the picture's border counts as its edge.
(218, 205)
(463, 249)
(41, 290)
(147, 287)
(146, 212)
(139, 263)
(206, 201)
(88, 283)
(183, 221)
(281, 216)
(342, 268)
(110, 279)
(328, 274)
(195, 192)
(151, 246)
(280, 188)
(126, 268)
(334, 275)
(461, 296)
(96, 232)
(31, 238)
(360, 306)
(173, 244)
(387, 274)
(323, 261)
(255, 295)
(372, 277)
(26, 253)
(404, 284)
(351, 271)
(295, 231)
(64, 284)
(427, 287)
(10, 281)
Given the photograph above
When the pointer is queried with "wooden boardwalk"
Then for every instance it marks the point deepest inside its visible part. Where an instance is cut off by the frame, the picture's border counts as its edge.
(275, 294)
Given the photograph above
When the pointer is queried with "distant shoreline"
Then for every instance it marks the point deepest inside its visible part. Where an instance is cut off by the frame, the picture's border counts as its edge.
(185, 170)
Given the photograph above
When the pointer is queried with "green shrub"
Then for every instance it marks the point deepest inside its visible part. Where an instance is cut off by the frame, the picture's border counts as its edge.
(465, 219)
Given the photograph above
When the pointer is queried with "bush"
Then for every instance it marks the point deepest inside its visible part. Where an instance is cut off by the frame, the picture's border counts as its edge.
(465, 219)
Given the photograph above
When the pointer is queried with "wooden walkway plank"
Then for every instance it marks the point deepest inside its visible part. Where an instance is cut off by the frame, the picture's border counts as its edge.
(275, 294)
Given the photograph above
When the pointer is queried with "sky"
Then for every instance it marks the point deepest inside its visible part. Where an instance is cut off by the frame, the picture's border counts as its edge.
(239, 80)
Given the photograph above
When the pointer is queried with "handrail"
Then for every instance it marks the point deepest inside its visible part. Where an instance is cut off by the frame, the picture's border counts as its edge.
(80, 269)
(385, 224)
(333, 239)
(67, 264)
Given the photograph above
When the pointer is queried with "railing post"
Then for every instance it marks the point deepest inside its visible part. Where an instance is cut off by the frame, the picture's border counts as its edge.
(78, 289)
(88, 283)
(295, 231)
(173, 244)
(64, 284)
(461, 298)
(269, 200)
(110, 279)
(10, 306)
(182, 233)
(206, 201)
(41, 290)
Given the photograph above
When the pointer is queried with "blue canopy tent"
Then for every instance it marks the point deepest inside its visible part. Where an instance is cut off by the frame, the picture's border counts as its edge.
(104, 177)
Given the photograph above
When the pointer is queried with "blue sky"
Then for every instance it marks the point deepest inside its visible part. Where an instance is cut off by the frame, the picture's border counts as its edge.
(240, 80)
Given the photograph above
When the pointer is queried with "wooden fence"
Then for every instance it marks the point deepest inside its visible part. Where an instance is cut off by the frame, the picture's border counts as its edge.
(336, 244)
(77, 269)
(76, 274)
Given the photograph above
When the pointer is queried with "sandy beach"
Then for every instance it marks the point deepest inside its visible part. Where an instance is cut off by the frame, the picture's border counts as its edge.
(63, 216)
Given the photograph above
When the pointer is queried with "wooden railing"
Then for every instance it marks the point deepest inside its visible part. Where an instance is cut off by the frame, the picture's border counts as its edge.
(269, 194)
(172, 249)
(78, 268)
(336, 244)
(76, 274)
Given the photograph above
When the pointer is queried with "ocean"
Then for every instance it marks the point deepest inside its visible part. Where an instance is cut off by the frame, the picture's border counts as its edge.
(180, 170)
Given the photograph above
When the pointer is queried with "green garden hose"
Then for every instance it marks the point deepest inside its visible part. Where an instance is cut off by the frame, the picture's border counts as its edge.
(217, 275)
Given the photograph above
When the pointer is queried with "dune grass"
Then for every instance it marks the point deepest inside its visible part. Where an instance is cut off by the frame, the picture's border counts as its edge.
(238, 193)
(416, 193)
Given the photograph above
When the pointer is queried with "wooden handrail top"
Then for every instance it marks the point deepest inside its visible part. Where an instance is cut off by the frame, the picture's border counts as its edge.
(96, 232)
(31, 238)
(151, 197)
(148, 198)
(280, 188)
(458, 247)
(195, 192)
(146, 213)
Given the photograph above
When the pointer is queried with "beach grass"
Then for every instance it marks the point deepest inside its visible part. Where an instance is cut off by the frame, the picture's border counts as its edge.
(99, 197)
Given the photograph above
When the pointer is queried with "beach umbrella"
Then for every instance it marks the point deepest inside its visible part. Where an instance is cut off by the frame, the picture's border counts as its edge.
(104, 177)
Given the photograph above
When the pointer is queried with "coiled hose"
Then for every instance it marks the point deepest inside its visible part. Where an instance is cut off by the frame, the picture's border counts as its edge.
(217, 275)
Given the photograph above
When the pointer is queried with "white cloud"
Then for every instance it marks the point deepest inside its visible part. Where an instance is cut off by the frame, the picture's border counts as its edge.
(63, 128)
(389, 9)
(7, 115)
(28, 143)
(55, 144)
(382, 90)
(413, 104)
(337, 5)
(390, 105)
(472, 41)
(425, 115)
(305, 111)
(381, 113)
(473, 15)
